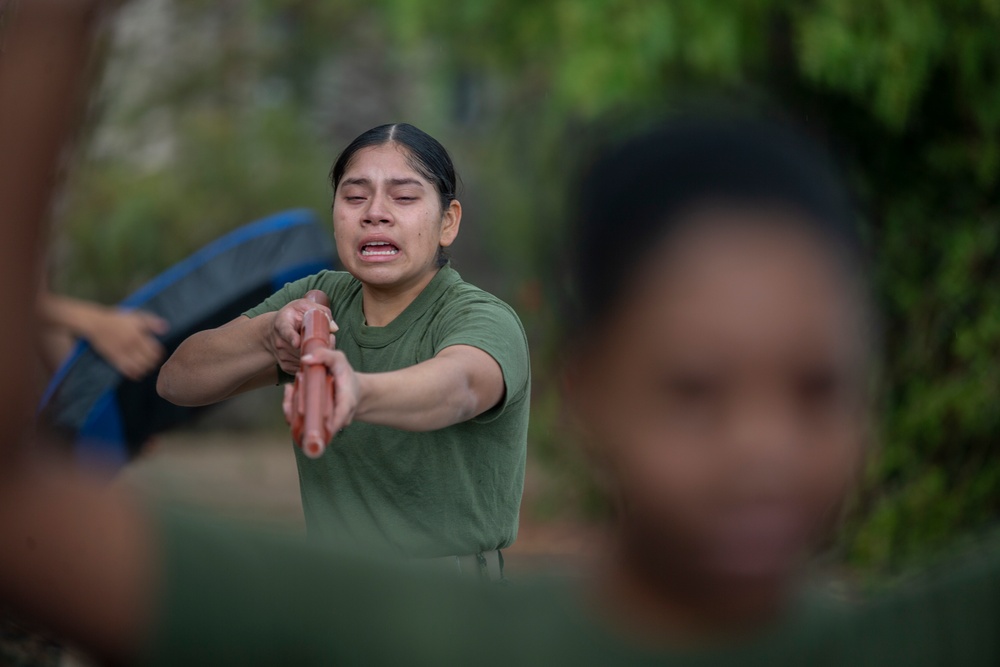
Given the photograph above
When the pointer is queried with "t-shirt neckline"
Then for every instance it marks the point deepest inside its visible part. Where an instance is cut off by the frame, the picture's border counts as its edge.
(368, 336)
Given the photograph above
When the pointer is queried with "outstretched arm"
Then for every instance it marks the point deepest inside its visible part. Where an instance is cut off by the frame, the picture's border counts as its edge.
(461, 382)
(213, 365)
(244, 354)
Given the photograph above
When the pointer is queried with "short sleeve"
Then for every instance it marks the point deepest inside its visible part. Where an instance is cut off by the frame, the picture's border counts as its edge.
(290, 292)
(338, 286)
(492, 326)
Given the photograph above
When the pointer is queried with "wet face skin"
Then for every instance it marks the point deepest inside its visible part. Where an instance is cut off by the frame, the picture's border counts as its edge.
(725, 398)
(388, 221)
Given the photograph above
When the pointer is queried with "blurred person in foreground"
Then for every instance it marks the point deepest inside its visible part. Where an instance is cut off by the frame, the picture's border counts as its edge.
(719, 366)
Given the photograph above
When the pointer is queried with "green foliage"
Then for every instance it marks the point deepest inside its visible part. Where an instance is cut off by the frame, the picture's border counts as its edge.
(880, 53)
(225, 174)
(195, 136)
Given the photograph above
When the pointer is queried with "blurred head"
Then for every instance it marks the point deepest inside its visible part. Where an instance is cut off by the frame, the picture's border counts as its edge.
(722, 352)
(394, 205)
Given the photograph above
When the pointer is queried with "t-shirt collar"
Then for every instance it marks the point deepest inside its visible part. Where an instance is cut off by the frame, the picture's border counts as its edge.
(367, 336)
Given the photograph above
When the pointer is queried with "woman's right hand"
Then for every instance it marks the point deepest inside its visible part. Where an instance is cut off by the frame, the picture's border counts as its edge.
(285, 338)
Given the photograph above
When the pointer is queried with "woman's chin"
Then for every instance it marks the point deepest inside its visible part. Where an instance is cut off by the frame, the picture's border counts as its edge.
(378, 274)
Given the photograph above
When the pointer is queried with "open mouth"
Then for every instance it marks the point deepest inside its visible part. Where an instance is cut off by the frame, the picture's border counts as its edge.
(378, 249)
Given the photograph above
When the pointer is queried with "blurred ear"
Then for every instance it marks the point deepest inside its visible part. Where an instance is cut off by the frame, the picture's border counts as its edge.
(450, 222)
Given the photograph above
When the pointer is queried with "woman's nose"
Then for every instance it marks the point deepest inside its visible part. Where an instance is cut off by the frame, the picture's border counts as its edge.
(377, 212)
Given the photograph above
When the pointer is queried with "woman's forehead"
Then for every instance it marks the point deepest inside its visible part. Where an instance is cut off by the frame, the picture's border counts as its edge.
(385, 163)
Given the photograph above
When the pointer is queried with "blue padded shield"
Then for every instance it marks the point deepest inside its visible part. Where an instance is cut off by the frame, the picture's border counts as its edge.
(108, 417)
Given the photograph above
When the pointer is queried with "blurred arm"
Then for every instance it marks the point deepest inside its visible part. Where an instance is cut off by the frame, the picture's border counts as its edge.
(72, 555)
(45, 53)
(126, 339)
(79, 557)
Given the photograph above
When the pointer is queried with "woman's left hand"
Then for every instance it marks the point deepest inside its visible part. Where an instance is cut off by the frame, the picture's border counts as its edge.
(346, 388)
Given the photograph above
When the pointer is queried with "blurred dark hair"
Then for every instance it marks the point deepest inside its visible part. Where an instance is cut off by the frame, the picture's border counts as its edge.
(425, 154)
(646, 186)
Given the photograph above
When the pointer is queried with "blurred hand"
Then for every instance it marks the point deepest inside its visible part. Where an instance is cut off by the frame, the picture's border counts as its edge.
(127, 340)
(285, 339)
(346, 389)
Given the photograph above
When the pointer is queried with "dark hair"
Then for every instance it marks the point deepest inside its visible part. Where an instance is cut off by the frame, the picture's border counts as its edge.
(645, 187)
(425, 154)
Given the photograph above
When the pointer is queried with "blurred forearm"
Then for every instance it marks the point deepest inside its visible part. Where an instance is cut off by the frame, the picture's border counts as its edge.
(66, 543)
(45, 50)
(74, 315)
(73, 555)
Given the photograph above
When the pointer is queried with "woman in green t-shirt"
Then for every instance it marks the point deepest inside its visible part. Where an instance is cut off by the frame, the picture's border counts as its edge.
(431, 373)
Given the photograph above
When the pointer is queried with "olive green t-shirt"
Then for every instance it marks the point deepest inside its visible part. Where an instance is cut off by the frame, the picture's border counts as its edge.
(452, 491)
(232, 596)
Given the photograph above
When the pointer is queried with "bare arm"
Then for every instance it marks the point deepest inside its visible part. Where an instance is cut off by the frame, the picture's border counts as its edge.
(72, 554)
(458, 384)
(241, 355)
(213, 365)
(79, 557)
(126, 339)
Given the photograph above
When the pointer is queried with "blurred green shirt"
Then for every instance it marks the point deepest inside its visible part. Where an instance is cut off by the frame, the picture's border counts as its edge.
(453, 491)
(230, 596)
